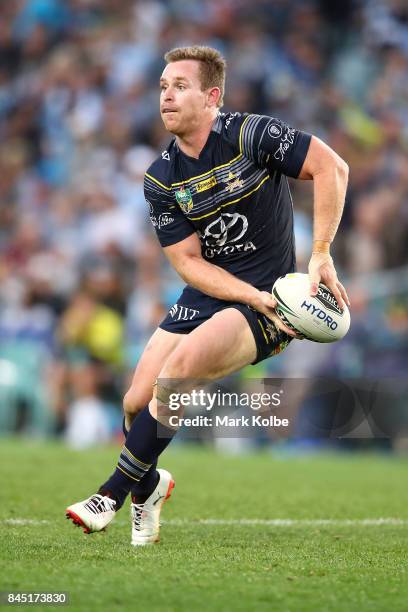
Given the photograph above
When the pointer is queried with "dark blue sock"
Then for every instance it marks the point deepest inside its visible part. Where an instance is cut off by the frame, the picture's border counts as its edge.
(140, 491)
(146, 440)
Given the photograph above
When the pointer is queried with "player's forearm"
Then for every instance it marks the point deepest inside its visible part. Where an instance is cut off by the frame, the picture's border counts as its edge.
(215, 281)
(329, 194)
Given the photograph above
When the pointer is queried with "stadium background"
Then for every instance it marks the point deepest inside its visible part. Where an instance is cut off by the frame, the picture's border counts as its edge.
(83, 283)
(82, 279)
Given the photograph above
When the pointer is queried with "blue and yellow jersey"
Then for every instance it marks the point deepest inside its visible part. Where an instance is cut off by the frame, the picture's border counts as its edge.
(235, 196)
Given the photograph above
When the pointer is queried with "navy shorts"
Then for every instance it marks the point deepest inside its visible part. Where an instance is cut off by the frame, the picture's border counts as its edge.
(193, 308)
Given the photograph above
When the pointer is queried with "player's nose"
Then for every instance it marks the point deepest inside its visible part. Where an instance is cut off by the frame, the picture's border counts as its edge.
(169, 94)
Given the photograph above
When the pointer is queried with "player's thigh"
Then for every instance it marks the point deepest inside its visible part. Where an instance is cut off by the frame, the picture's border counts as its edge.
(218, 347)
(161, 344)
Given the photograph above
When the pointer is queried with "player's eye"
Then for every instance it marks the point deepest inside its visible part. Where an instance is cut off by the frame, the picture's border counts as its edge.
(181, 87)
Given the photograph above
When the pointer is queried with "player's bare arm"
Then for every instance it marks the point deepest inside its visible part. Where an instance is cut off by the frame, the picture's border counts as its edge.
(329, 174)
(186, 258)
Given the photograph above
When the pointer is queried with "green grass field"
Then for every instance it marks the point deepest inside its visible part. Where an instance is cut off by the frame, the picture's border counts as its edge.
(223, 565)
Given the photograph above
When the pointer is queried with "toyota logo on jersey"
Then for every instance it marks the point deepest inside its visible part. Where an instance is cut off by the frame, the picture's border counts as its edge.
(229, 227)
(223, 236)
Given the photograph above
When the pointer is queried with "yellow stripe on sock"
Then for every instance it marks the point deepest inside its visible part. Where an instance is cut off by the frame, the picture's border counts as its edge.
(128, 475)
(148, 465)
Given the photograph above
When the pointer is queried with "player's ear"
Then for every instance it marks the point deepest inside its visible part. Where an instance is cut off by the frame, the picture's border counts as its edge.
(213, 96)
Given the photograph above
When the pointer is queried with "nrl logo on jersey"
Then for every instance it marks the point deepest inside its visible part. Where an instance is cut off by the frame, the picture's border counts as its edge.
(184, 199)
(233, 181)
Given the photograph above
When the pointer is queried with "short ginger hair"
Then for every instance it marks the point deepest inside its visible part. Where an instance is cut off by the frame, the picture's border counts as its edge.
(212, 65)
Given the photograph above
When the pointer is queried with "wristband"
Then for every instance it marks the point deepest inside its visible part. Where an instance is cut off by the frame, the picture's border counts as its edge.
(321, 246)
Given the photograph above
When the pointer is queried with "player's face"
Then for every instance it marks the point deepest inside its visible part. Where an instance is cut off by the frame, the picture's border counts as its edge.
(182, 101)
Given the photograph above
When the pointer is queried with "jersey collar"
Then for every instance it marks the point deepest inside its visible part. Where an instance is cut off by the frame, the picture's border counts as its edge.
(216, 129)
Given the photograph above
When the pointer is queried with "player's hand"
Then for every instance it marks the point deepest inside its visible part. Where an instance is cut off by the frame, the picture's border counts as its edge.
(321, 269)
(265, 303)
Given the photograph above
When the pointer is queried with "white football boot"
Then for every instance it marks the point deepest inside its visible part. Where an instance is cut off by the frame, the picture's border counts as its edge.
(93, 514)
(145, 517)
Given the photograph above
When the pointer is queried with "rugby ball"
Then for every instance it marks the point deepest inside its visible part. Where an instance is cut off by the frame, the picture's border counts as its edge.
(317, 318)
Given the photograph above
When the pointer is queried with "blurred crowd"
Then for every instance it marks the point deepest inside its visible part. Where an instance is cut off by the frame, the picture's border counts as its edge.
(82, 279)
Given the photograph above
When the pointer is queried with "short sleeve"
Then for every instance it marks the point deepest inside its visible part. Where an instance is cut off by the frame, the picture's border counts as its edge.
(170, 224)
(269, 142)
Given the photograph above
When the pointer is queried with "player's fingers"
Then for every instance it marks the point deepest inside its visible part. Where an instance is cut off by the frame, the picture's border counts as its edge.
(314, 281)
(268, 300)
(343, 293)
(333, 286)
(271, 314)
(280, 325)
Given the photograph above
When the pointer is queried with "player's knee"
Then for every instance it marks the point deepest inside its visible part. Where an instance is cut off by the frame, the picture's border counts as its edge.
(132, 403)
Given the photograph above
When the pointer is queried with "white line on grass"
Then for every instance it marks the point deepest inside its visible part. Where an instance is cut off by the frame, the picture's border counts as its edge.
(21, 521)
(292, 522)
(372, 522)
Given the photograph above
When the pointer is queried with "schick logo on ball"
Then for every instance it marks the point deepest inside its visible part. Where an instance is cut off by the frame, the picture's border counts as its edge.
(320, 314)
(327, 299)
